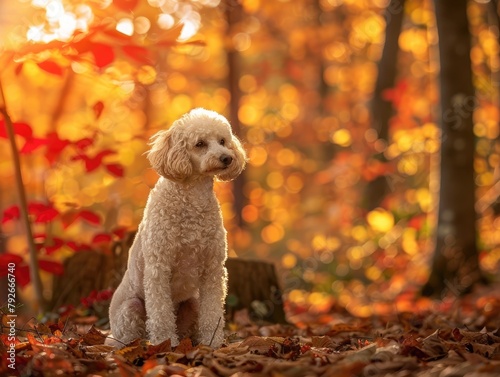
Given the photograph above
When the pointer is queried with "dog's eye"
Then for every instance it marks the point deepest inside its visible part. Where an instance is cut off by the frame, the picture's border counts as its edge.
(200, 144)
(222, 142)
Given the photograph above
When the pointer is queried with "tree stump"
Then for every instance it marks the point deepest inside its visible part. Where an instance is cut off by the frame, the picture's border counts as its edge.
(253, 285)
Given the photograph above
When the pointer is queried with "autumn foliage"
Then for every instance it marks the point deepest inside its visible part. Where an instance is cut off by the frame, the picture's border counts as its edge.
(84, 105)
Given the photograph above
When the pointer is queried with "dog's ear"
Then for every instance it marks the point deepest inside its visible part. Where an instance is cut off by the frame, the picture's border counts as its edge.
(168, 155)
(239, 162)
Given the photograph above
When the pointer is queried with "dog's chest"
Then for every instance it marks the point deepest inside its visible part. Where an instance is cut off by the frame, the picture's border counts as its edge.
(185, 277)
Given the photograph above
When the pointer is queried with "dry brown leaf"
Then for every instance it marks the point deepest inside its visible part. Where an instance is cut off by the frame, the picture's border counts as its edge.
(165, 346)
(346, 327)
(199, 371)
(97, 352)
(434, 346)
(185, 345)
(93, 337)
(132, 351)
(259, 344)
(322, 342)
(42, 329)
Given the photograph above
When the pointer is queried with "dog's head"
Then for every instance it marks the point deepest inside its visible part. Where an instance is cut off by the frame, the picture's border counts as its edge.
(200, 143)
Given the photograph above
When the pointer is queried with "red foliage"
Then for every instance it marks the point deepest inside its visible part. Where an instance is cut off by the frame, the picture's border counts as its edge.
(90, 217)
(51, 67)
(115, 169)
(101, 238)
(92, 163)
(42, 213)
(103, 54)
(11, 213)
(53, 267)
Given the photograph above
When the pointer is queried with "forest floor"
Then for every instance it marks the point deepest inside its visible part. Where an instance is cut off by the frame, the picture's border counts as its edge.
(451, 338)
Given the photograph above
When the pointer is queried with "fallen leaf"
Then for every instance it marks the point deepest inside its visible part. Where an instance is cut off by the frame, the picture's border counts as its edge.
(93, 337)
(185, 345)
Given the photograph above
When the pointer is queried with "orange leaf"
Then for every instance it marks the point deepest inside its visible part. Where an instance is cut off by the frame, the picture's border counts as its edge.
(138, 53)
(171, 35)
(126, 5)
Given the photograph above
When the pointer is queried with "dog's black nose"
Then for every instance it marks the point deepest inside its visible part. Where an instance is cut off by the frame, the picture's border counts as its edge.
(225, 159)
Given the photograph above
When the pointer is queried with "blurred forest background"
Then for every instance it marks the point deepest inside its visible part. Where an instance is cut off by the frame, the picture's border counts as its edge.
(342, 107)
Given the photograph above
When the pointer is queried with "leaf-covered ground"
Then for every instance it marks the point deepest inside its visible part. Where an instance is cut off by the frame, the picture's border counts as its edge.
(458, 338)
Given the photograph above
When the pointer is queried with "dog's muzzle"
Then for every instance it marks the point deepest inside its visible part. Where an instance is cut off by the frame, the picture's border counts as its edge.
(226, 159)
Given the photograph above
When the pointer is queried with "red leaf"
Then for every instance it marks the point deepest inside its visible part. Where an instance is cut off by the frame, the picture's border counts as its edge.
(126, 5)
(138, 53)
(90, 217)
(21, 129)
(55, 268)
(7, 258)
(103, 54)
(51, 67)
(68, 218)
(11, 213)
(78, 247)
(98, 108)
(43, 213)
(57, 243)
(55, 146)
(101, 238)
(73, 245)
(92, 163)
(84, 143)
(120, 232)
(115, 169)
(32, 144)
(22, 274)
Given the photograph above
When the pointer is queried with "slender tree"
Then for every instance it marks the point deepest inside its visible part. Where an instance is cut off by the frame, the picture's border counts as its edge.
(455, 265)
(234, 14)
(381, 108)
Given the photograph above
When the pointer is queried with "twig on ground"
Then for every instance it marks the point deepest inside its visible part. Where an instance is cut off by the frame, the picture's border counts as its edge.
(215, 331)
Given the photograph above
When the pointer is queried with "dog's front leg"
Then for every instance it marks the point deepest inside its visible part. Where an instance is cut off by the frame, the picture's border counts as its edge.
(160, 323)
(213, 290)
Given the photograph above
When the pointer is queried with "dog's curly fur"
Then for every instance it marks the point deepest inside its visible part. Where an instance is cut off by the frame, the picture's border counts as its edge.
(176, 283)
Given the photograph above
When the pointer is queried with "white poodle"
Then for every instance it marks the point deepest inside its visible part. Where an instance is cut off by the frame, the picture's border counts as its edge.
(176, 283)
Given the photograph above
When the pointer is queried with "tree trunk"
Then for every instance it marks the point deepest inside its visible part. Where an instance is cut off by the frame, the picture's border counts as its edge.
(382, 109)
(455, 266)
(233, 17)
